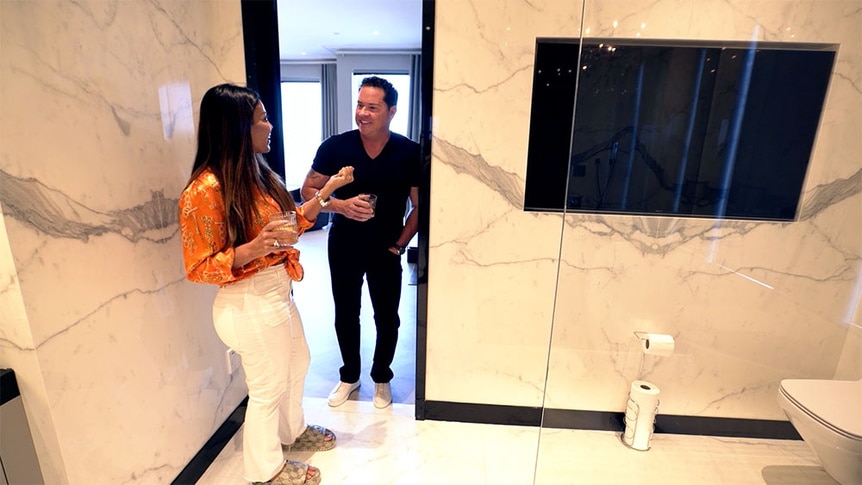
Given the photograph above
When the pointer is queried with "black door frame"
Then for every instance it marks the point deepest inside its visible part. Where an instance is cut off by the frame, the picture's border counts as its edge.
(263, 74)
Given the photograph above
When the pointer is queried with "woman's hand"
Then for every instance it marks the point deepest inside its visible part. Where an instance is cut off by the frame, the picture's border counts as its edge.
(313, 205)
(276, 237)
(342, 178)
(272, 239)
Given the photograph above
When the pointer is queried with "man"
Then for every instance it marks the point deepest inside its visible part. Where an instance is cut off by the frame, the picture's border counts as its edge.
(364, 241)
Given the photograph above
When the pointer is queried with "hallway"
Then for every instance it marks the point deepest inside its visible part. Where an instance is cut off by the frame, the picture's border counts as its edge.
(314, 299)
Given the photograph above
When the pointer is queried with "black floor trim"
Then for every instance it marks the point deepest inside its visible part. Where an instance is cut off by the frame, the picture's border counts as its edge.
(592, 420)
(482, 413)
(607, 421)
(8, 386)
(211, 449)
(729, 427)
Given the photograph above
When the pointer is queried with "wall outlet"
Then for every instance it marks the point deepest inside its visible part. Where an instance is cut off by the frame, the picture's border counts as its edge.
(232, 361)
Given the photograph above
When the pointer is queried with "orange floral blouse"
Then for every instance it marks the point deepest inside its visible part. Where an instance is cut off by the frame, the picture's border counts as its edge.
(206, 257)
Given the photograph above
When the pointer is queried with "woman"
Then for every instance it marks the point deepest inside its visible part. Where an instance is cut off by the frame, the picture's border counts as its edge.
(227, 241)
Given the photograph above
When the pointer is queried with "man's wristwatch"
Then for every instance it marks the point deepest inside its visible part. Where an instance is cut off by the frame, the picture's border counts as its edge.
(399, 248)
(320, 200)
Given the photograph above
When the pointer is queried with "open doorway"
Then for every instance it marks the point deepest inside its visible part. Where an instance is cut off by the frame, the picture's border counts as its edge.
(314, 300)
(308, 76)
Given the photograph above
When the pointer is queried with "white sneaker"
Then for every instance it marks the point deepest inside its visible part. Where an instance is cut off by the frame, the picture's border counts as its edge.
(341, 392)
(382, 395)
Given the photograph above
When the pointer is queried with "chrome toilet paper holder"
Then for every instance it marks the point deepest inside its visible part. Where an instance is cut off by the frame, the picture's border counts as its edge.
(630, 418)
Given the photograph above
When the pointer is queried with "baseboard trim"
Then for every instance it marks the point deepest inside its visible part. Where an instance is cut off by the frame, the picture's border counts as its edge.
(211, 449)
(727, 427)
(482, 413)
(607, 421)
(8, 386)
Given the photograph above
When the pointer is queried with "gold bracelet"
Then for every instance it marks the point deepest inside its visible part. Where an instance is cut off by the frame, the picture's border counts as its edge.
(321, 201)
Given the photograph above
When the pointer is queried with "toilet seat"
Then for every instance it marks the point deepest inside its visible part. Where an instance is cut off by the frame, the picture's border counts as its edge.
(817, 399)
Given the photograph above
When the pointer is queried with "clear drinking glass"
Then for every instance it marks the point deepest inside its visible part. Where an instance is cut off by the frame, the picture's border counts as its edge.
(288, 218)
(371, 199)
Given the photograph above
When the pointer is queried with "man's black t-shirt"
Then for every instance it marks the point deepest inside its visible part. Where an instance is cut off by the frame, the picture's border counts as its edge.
(390, 176)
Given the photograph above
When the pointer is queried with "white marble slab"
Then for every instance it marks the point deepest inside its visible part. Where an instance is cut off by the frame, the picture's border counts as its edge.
(749, 303)
(113, 349)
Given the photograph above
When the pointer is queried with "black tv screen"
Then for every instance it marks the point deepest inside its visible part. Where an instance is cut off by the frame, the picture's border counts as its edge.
(674, 128)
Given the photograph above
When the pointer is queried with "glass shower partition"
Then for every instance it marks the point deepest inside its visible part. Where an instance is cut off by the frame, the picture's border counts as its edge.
(742, 314)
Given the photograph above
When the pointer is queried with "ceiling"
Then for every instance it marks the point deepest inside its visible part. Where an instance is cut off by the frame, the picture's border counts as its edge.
(311, 30)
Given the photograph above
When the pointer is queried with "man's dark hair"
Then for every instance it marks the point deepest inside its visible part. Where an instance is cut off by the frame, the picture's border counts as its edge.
(390, 95)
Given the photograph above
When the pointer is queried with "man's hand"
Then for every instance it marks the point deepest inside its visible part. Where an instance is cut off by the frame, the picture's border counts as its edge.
(356, 208)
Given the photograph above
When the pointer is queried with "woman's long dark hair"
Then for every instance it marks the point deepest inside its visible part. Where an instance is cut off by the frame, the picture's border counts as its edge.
(225, 148)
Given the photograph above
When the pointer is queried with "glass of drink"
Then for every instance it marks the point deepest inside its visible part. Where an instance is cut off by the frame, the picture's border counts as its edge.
(287, 218)
(371, 199)
(289, 225)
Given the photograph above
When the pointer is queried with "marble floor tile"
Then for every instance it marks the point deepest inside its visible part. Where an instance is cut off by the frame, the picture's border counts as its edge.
(383, 446)
(599, 457)
(389, 446)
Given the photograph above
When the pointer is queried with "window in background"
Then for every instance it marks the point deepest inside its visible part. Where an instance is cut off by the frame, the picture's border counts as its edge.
(401, 82)
(302, 116)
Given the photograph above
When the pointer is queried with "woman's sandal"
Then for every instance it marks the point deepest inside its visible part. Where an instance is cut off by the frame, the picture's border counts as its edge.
(295, 473)
(314, 438)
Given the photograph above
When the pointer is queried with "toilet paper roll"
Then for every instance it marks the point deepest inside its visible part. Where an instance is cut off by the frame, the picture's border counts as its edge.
(640, 415)
(657, 344)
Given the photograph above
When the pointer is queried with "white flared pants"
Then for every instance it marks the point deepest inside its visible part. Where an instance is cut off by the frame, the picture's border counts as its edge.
(258, 319)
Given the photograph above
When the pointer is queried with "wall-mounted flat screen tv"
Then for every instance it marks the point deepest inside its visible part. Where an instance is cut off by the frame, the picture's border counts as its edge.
(674, 128)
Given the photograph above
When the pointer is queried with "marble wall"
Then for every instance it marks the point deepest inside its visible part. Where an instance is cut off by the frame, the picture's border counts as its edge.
(122, 376)
(749, 303)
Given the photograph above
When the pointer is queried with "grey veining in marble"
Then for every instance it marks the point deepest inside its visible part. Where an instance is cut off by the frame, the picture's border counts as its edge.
(108, 339)
(748, 302)
(53, 213)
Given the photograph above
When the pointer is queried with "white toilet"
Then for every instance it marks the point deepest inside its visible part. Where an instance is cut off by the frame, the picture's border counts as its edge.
(828, 416)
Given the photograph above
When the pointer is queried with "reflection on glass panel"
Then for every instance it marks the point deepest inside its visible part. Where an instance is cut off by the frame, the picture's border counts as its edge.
(675, 128)
(302, 113)
(401, 82)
